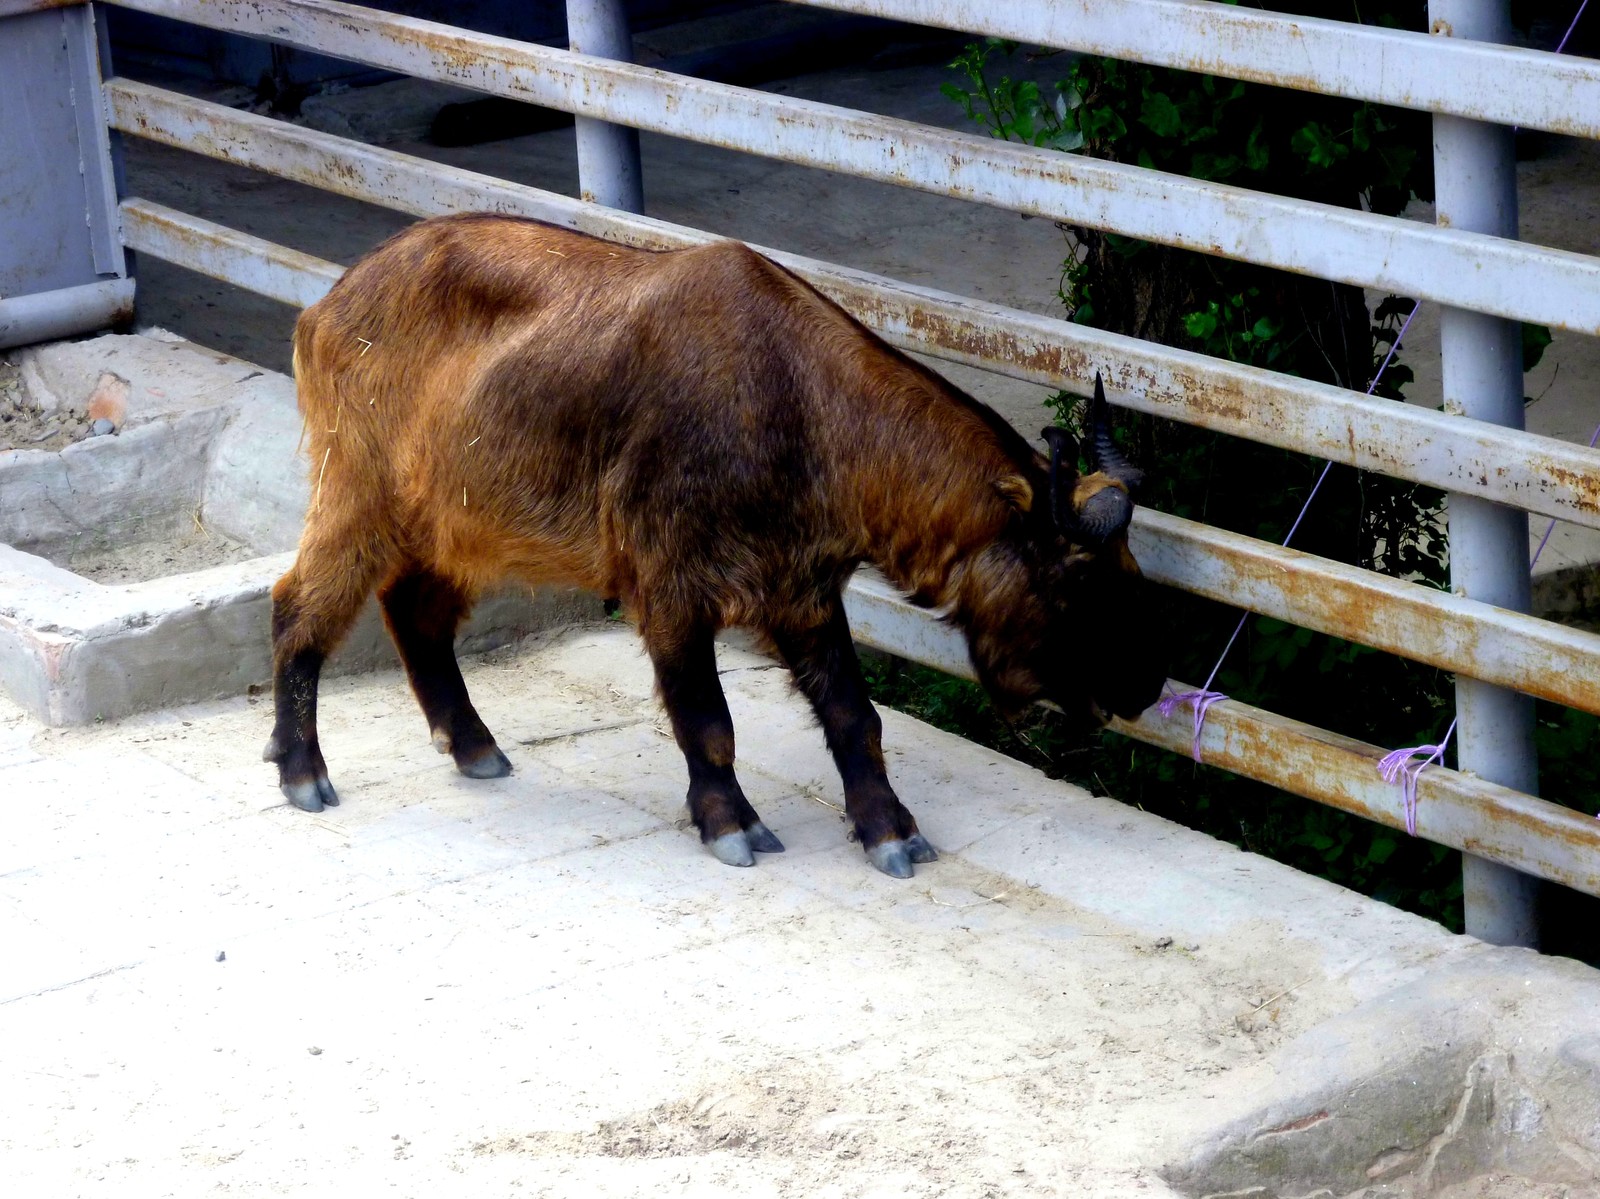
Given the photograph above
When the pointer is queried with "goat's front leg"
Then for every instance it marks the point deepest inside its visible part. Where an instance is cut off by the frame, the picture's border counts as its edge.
(825, 666)
(686, 672)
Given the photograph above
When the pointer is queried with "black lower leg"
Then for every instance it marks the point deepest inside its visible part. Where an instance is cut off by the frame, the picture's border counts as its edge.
(686, 670)
(828, 672)
(423, 612)
(302, 774)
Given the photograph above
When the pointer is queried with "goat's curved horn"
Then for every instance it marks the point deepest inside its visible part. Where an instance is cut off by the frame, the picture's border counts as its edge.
(1104, 514)
(1062, 446)
(1103, 452)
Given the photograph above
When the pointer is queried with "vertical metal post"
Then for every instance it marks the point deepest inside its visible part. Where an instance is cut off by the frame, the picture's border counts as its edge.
(62, 267)
(1476, 186)
(608, 155)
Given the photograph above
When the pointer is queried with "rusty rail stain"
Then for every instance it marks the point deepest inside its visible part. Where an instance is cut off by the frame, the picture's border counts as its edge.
(15, 8)
(262, 266)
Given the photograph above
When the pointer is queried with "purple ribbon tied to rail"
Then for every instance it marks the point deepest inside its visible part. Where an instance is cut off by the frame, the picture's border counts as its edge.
(1397, 766)
(1202, 701)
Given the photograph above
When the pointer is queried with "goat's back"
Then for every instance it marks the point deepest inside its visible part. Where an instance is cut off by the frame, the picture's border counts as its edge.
(503, 397)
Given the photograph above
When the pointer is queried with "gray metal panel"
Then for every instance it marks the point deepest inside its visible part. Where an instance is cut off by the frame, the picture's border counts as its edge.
(94, 142)
(57, 203)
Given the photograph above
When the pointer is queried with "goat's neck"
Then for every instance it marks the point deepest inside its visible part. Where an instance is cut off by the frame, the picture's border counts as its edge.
(927, 503)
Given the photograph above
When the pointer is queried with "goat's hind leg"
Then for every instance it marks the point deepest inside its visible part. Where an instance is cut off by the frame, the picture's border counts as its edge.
(823, 660)
(423, 612)
(686, 671)
(312, 609)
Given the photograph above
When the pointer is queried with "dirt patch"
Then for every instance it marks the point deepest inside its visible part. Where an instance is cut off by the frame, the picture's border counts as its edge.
(25, 425)
(140, 561)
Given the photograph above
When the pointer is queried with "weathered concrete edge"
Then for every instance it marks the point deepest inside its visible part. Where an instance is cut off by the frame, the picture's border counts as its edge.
(73, 651)
(1482, 1065)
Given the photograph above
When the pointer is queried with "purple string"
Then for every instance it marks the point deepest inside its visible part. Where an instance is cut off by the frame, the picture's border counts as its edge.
(1575, 19)
(1203, 699)
(1397, 765)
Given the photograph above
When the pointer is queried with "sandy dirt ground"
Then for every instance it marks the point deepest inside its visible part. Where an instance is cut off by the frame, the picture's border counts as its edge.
(27, 425)
(198, 548)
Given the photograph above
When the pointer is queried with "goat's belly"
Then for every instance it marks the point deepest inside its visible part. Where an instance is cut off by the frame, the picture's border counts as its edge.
(479, 554)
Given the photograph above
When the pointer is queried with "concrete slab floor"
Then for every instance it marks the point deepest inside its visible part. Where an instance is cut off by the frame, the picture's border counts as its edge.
(544, 985)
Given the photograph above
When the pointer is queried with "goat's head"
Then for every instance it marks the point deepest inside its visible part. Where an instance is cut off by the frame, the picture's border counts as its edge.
(1058, 607)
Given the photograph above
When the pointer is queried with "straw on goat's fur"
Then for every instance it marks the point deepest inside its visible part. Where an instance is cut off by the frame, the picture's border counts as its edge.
(320, 473)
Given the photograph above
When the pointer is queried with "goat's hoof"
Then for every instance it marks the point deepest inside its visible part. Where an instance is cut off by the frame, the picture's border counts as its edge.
(919, 849)
(734, 848)
(892, 857)
(486, 763)
(762, 839)
(310, 795)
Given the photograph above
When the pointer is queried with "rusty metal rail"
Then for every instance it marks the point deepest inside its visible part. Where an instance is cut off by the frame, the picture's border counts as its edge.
(1464, 636)
(1455, 809)
(1486, 274)
(1540, 474)
(264, 267)
(1505, 84)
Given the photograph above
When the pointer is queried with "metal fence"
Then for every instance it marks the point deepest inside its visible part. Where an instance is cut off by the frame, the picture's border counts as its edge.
(1469, 261)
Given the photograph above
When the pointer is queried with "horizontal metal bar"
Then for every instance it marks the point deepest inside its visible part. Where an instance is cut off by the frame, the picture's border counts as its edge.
(1537, 473)
(1504, 84)
(1488, 274)
(262, 266)
(1454, 809)
(65, 312)
(1467, 637)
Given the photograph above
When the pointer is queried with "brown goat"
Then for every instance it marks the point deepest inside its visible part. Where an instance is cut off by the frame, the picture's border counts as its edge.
(703, 437)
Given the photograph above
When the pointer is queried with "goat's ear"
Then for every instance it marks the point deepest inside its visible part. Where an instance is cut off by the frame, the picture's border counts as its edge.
(1016, 491)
